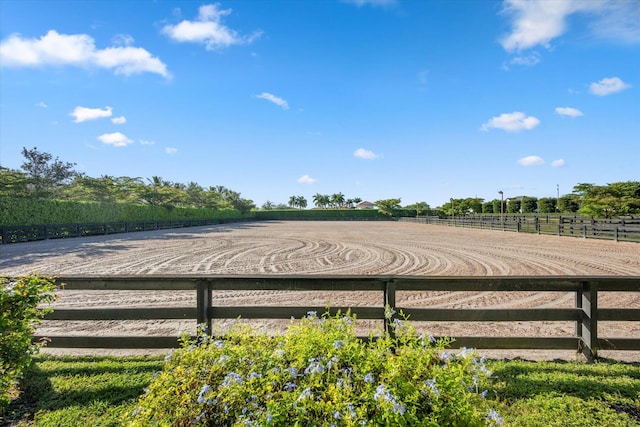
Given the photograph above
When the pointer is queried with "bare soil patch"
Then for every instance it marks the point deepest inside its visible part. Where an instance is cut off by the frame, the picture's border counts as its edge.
(336, 248)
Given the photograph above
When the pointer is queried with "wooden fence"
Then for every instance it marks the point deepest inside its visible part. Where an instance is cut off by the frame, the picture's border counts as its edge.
(28, 233)
(588, 228)
(585, 313)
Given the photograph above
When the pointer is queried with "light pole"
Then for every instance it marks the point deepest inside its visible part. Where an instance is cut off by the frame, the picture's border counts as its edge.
(453, 216)
(501, 208)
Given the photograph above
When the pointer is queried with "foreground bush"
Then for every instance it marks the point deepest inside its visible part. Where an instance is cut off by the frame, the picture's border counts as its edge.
(19, 315)
(318, 373)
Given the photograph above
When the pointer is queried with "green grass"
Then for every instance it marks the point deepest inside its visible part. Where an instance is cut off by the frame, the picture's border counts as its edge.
(96, 391)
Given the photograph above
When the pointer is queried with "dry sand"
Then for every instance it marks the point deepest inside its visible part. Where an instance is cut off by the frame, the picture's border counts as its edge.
(336, 248)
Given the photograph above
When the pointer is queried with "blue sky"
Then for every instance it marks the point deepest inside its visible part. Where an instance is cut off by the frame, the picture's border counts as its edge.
(377, 99)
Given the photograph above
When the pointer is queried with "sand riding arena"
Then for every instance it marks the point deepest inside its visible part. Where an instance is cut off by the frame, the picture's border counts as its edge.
(331, 248)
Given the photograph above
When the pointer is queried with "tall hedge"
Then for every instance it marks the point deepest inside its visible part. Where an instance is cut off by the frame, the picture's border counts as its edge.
(30, 211)
(321, 215)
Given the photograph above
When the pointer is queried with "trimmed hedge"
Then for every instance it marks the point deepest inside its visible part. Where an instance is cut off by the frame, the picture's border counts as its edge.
(322, 215)
(28, 211)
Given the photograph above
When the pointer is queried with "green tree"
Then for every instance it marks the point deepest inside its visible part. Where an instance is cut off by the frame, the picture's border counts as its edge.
(487, 207)
(388, 206)
(547, 204)
(619, 198)
(13, 183)
(529, 204)
(569, 203)
(46, 175)
(499, 206)
(421, 208)
(267, 206)
(321, 200)
(514, 206)
(302, 202)
(337, 200)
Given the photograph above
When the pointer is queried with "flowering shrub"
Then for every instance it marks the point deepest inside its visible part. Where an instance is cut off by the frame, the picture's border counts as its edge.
(318, 373)
(19, 314)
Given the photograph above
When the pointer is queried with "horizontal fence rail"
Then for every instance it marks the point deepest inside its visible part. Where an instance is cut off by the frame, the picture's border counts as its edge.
(585, 314)
(618, 229)
(29, 233)
(588, 228)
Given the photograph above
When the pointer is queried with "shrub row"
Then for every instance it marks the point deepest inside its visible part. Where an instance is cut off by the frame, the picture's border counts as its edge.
(31, 211)
(321, 215)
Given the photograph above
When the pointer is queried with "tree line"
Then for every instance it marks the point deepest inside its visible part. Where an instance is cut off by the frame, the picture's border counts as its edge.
(42, 176)
(600, 201)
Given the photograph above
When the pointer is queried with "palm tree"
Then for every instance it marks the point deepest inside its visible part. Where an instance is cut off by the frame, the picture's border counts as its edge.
(337, 200)
(301, 202)
(293, 201)
(318, 200)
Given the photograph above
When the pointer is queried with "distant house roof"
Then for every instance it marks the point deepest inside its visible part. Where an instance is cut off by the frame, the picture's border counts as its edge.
(366, 205)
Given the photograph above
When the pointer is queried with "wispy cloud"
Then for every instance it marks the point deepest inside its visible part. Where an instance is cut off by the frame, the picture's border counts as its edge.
(362, 153)
(41, 104)
(84, 114)
(306, 179)
(208, 29)
(361, 3)
(538, 22)
(170, 150)
(116, 139)
(275, 99)
(568, 111)
(607, 86)
(529, 60)
(79, 50)
(531, 161)
(558, 163)
(511, 122)
(119, 120)
(146, 142)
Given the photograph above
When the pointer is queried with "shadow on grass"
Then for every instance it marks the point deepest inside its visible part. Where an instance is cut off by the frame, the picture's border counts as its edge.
(53, 384)
(614, 383)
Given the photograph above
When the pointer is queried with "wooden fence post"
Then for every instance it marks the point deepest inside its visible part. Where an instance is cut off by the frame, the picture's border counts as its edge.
(203, 290)
(587, 329)
(390, 313)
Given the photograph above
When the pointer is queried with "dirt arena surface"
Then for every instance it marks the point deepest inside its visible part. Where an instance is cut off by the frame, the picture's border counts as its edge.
(335, 248)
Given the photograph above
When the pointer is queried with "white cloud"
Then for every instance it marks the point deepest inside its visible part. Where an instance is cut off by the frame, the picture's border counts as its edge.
(568, 111)
(276, 100)
(306, 179)
(123, 40)
(77, 50)
(208, 29)
(531, 161)
(511, 122)
(607, 86)
(83, 114)
(41, 104)
(119, 120)
(526, 60)
(558, 163)
(170, 150)
(116, 139)
(365, 154)
(538, 22)
(146, 142)
(619, 21)
(361, 3)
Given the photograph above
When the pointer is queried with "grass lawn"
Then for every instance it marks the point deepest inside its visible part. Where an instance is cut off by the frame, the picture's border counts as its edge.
(97, 391)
